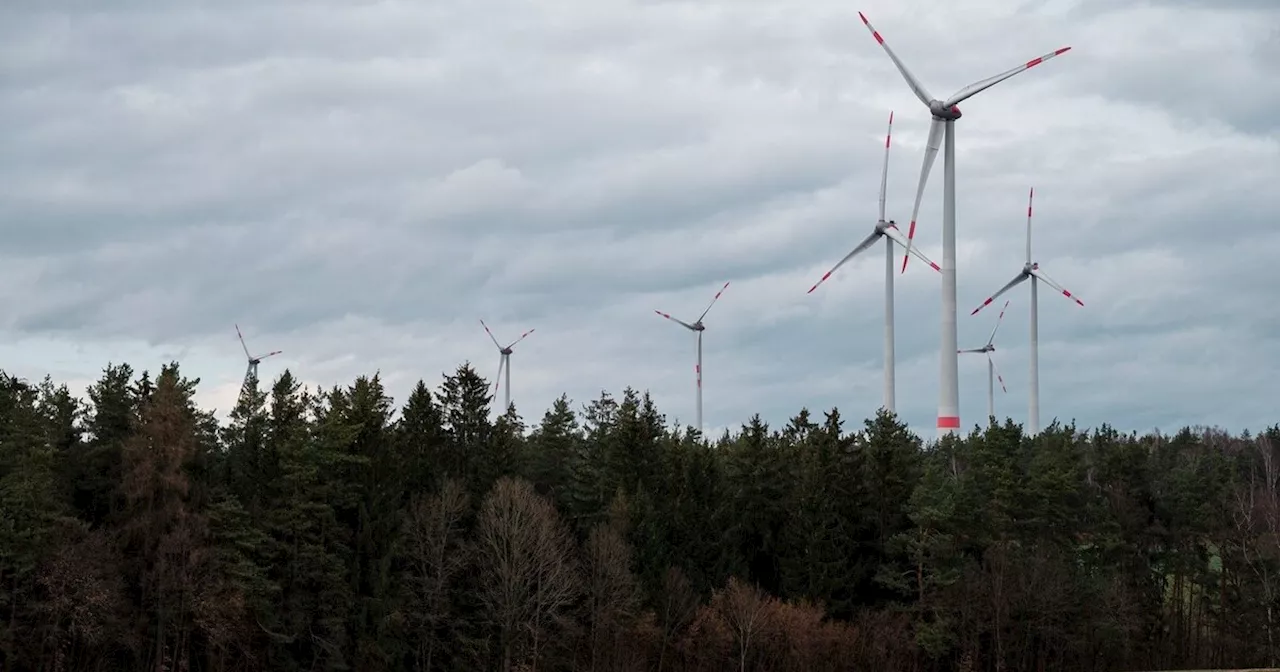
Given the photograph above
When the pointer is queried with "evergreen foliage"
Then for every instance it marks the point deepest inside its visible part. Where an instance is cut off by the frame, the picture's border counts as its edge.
(329, 530)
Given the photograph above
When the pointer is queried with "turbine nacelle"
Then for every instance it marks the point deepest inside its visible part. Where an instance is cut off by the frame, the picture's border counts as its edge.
(253, 361)
(940, 110)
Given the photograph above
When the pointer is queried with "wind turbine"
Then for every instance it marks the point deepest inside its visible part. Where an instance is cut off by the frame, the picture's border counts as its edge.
(504, 362)
(945, 113)
(889, 231)
(252, 371)
(698, 327)
(992, 372)
(1032, 270)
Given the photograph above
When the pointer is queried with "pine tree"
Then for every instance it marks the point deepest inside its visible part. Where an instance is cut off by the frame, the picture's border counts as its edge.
(464, 398)
(588, 489)
(758, 473)
(94, 466)
(251, 469)
(421, 442)
(32, 511)
(311, 546)
(549, 451)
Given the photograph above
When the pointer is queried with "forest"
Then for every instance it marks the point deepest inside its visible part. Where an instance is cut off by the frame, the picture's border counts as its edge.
(330, 529)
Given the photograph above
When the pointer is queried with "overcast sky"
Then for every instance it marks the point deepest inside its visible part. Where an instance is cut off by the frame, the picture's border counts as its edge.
(359, 183)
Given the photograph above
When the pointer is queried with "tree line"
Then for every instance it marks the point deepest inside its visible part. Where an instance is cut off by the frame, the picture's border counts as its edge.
(326, 529)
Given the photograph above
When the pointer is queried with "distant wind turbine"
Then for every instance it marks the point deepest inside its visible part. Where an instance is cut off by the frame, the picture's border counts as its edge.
(945, 113)
(889, 231)
(697, 327)
(504, 363)
(992, 372)
(1032, 270)
(252, 371)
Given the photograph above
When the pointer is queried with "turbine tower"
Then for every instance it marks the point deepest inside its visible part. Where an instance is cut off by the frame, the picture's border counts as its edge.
(1031, 269)
(252, 371)
(945, 113)
(992, 372)
(697, 327)
(889, 231)
(504, 363)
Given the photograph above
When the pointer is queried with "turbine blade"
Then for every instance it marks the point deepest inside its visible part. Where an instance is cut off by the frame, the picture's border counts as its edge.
(914, 83)
(491, 337)
(713, 302)
(522, 337)
(1030, 195)
(242, 345)
(502, 362)
(978, 87)
(930, 153)
(273, 353)
(901, 240)
(686, 325)
(1022, 276)
(868, 242)
(884, 173)
(972, 350)
(1049, 281)
(997, 370)
(998, 321)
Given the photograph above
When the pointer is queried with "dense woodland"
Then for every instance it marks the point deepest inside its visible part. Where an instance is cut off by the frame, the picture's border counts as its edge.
(329, 530)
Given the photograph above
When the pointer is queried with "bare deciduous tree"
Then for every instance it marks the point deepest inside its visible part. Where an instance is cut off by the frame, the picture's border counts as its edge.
(678, 607)
(433, 532)
(1257, 518)
(529, 575)
(612, 593)
(746, 609)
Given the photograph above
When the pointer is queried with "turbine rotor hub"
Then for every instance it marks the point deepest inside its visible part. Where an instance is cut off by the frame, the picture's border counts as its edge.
(940, 111)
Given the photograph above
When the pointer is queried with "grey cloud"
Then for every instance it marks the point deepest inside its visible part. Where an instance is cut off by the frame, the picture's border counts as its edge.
(1201, 60)
(359, 183)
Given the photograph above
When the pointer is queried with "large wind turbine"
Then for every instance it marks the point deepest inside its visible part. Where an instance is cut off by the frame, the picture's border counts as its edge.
(698, 327)
(1032, 270)
(252, 371)
(945, 113)
(992, 372)
(889, 231)
(504, 363)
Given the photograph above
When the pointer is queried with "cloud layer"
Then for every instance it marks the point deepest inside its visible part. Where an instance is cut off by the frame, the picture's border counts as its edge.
(359, 183)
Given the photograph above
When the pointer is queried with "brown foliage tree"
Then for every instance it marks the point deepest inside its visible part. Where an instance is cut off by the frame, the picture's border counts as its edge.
(84, 607)
(182, 594)
(677, 607)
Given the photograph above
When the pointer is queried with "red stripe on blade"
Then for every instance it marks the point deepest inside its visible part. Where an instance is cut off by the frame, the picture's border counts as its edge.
(948, 422)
